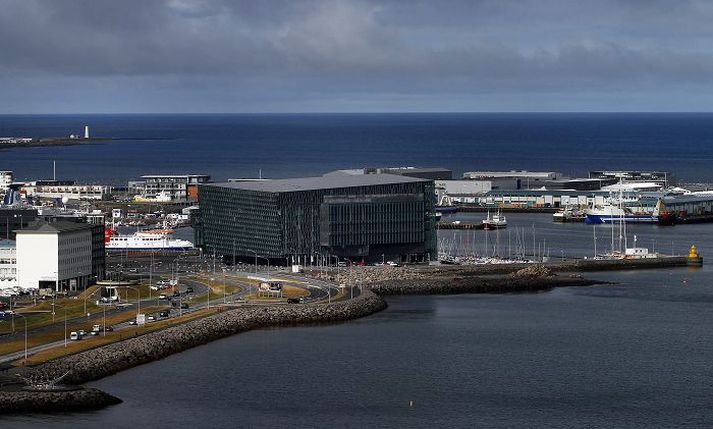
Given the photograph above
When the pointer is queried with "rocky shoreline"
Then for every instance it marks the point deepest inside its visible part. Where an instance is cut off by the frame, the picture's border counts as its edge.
(532, 278)
(50, 402)
(103, 361)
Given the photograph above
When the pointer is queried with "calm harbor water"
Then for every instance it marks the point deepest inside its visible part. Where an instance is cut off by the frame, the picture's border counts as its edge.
(635, 354)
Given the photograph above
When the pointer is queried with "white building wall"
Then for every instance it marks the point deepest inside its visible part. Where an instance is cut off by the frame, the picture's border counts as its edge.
(5, 181)
(37, 259)
(464, 187)
(8, 267)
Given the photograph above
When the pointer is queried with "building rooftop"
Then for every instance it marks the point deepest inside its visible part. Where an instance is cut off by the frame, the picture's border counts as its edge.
(173, 176)
(328, 181)
(512, 173)
(41, 227)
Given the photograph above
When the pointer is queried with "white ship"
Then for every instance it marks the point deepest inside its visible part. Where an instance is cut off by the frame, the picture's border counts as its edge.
(158, 240)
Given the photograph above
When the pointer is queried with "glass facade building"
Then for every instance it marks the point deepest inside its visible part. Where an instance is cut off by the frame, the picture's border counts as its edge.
(360, 217)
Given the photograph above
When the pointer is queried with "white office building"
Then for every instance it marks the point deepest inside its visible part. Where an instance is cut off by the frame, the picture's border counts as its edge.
(55, 255)
(8, 264)
(5, 181)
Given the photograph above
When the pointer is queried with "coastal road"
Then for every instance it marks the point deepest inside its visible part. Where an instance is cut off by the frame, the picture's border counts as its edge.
(320, 291)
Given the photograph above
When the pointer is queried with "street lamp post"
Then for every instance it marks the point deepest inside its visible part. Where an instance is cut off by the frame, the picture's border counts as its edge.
(65, 321)
(224, 297)
(138, 298)
(25, 319)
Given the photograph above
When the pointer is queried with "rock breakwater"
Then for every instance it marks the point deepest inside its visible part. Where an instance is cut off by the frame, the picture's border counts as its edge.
(47, 402)
(460, 285)
(100, 362)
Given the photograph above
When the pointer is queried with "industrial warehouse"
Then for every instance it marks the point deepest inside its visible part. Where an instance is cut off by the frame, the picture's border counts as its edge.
(362, 217)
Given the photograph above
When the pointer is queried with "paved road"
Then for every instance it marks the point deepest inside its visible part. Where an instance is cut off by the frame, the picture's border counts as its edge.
(320, 291)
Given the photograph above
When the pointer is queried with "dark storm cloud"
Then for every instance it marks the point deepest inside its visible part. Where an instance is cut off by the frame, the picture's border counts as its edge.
(181, 55)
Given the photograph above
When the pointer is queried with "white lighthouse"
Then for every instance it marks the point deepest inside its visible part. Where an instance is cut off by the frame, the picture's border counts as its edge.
(86, 131)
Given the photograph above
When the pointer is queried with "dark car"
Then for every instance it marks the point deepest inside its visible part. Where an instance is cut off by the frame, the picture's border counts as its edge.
(163, 314)
(184, 305)
(189, 289)
(295, 300)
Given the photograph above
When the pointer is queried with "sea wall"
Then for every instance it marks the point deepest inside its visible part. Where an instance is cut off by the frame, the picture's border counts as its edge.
(110, 359)
(47, 402)
(460, 285)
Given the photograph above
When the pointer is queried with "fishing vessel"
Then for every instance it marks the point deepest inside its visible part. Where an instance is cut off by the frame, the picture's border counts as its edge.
(498, 221)
(159, 240)
(610, 213)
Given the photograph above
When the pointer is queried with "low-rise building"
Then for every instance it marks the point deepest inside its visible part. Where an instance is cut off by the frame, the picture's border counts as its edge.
(663, 178)
(8, 264)
(67, 190)
(515, 179)
(172, 187)
(55, 255)
(5, 181)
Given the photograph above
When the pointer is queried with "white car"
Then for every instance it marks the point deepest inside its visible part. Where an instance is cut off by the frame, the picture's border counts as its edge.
(74, 336)
(392, 264)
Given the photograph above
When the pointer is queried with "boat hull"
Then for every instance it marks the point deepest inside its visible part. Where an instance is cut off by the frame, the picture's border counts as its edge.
(149, 249)
(628, 218)
(446, 209)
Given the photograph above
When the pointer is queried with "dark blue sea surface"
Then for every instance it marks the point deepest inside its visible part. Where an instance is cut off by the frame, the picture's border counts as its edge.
(292, 145)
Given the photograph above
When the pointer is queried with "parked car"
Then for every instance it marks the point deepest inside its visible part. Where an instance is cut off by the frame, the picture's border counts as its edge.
(133, 322)
(392, 263)
(151, 318)
(189, 289)
(82, 333)
(163, 314)
(163, 297)
(74, 336)
(295, 300)
(184, 305)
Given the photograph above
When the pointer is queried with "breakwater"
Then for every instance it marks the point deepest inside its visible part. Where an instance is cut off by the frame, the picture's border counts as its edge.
(375, 275)
(22, 401)
(460, 285)
(101, 362)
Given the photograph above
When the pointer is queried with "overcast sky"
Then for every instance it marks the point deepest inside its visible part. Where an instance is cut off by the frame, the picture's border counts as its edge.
(355, 56)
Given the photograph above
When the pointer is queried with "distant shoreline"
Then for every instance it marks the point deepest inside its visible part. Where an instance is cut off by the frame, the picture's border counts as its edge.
(54, 141)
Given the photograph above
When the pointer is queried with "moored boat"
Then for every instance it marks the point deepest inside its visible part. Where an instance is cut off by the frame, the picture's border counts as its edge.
(158, 240)
(498, 221)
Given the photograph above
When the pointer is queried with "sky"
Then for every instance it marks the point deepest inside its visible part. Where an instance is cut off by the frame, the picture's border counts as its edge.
(195, 56)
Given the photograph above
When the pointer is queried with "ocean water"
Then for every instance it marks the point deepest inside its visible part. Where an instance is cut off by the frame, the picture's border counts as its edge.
(294, 145)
